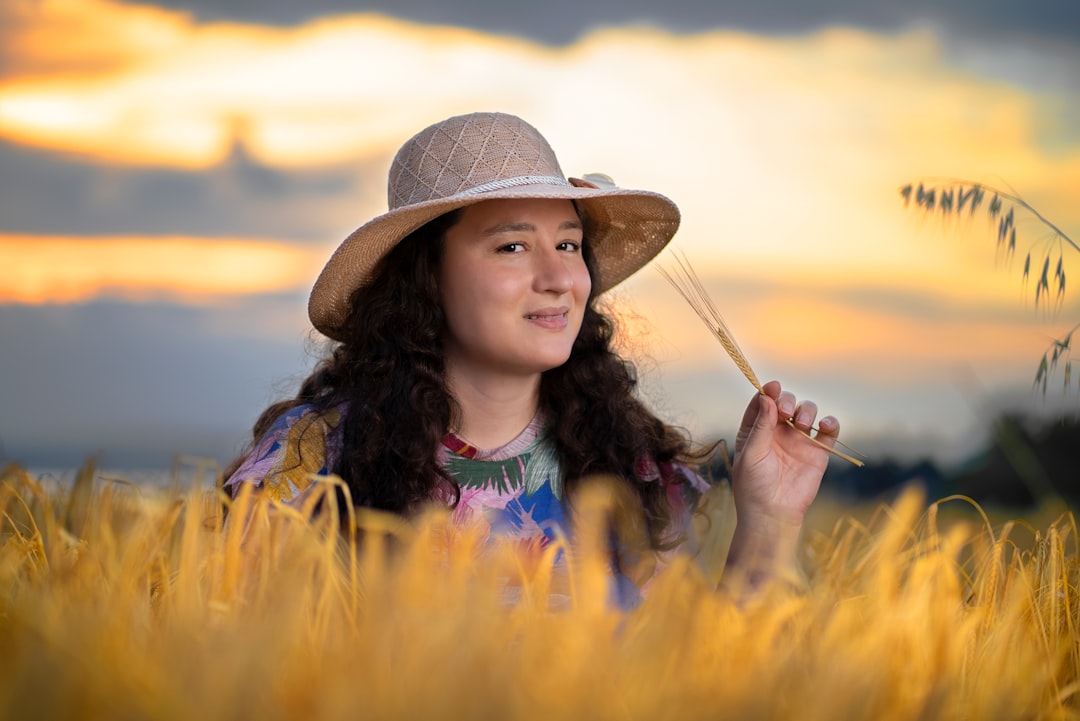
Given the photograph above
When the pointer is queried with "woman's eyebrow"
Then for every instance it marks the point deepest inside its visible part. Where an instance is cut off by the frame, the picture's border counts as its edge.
(523, 227)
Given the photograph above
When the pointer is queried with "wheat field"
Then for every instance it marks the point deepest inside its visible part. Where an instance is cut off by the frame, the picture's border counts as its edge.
(121, 602)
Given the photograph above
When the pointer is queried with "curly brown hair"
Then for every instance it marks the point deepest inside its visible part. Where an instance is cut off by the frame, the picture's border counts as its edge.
(391, 374)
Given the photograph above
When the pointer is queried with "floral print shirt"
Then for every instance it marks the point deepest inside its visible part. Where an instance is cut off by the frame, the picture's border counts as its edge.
(514, 491)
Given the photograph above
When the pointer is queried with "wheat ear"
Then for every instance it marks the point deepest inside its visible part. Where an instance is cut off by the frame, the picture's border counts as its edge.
(685, 280)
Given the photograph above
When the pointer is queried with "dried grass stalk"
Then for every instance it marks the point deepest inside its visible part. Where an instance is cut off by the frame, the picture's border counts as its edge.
(683, 278)
(946, 198)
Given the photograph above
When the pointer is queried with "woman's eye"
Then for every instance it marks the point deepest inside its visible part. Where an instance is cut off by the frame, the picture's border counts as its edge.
(510, 248)
(569, 245)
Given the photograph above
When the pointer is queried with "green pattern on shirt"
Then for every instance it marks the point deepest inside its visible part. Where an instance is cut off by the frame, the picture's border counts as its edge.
(540, 461)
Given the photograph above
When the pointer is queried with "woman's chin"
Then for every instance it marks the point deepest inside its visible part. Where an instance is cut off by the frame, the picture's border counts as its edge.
(553, 363)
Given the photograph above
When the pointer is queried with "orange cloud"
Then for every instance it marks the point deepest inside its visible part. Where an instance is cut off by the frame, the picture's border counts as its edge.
(887, 329)
(49, 269)
(152, 86)
(84, 38)
(890, 345)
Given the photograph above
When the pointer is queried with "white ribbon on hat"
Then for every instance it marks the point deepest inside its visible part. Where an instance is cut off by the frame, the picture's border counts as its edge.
(515, 182)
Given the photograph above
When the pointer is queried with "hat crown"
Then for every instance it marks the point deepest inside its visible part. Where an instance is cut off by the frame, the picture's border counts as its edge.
(474, 152)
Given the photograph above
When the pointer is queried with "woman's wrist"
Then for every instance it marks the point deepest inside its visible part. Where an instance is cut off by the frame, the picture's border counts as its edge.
(764, 543)
(769, 515)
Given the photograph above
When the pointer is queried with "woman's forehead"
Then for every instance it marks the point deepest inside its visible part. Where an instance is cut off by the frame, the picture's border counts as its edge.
(510, 212)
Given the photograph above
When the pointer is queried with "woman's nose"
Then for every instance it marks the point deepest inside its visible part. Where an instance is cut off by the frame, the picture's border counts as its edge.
(551, 272)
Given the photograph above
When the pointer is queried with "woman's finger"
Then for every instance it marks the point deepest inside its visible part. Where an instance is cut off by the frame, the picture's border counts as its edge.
(828, 430)
(805, 414)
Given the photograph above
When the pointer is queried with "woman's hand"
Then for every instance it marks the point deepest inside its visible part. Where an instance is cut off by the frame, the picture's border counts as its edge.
(776, 475)
(777, 469)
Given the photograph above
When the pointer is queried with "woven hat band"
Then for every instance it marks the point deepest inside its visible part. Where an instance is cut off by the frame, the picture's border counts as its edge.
(516, 182)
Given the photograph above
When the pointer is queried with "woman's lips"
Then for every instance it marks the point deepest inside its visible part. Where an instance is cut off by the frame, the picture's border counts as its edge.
(550, 318)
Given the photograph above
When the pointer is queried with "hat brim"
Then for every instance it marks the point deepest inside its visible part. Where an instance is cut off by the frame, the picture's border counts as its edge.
(625, 229)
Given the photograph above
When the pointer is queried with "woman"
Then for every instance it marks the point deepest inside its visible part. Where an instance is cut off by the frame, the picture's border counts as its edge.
(474, 368)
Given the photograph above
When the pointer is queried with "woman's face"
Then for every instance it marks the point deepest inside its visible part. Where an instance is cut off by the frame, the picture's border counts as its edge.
(514, 286)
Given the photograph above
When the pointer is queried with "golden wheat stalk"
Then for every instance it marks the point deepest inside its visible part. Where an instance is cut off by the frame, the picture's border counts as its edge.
(685, 280)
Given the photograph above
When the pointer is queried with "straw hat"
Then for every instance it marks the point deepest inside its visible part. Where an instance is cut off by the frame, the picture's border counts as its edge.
(484, 156)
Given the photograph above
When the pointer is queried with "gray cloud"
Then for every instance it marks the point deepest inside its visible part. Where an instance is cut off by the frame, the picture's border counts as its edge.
(559, 22)
(47, 193)
(142, 383)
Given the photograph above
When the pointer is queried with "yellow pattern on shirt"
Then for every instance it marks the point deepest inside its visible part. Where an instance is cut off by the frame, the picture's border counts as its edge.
(304, 456)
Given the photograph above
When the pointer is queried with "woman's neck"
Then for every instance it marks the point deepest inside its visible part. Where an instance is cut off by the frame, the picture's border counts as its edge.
(494, 411)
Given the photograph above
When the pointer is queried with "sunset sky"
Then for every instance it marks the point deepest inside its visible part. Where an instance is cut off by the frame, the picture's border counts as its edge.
(173, 177)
